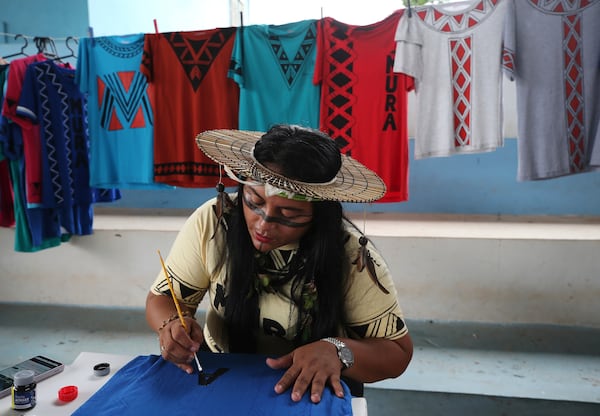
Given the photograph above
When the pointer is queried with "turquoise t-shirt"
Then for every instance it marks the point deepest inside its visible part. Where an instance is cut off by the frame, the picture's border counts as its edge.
(120, 112)
(274, 65)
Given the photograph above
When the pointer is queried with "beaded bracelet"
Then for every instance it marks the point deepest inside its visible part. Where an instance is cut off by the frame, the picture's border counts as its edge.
(174, 317)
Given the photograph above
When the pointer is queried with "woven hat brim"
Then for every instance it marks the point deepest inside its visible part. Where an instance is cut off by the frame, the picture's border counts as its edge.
(233, 148)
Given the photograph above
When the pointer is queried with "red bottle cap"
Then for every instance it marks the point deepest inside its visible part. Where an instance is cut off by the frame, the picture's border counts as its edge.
(68, 393)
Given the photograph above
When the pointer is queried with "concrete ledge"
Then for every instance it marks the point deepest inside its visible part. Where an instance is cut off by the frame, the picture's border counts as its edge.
(480, 226)
(394, 225)
(528, 361)
(500, 373)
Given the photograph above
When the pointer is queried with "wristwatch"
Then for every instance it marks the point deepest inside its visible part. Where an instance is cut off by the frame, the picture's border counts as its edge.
(344, 353)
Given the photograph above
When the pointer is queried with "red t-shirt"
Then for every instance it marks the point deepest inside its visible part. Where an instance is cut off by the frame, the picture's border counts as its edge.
(192, 93)
(30, 130)
(363, 102)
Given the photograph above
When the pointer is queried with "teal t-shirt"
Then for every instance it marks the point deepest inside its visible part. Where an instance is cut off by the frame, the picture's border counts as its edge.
(120, 112)
(274, 65)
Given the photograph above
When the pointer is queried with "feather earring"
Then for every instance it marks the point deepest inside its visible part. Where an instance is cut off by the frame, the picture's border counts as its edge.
(364, 259)
(223, 206)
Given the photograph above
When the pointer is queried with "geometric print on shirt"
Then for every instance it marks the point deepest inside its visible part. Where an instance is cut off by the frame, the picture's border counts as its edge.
(190, 294)
(460, 50)
(126, 91)
(386, 325)
(197, 56)
(292, 69)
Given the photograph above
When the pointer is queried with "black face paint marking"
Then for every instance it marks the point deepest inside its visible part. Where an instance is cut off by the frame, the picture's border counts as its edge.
(279, 220)
(204, 378)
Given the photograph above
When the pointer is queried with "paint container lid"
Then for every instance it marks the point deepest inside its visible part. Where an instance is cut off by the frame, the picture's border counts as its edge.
(23, 378)
(101, 369)
(68, 393)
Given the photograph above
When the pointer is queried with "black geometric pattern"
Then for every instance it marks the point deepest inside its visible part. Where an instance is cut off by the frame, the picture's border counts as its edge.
(291, 68)
(128, 100)
(190, 295)
(197, 55)
(386, 325)
(121, 50)
(186, 168)
(341, 80)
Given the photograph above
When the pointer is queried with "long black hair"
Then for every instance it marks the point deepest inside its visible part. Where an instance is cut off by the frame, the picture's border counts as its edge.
(309, 156)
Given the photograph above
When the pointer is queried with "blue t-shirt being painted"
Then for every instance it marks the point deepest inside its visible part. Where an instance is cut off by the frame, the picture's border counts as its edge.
(149, 385)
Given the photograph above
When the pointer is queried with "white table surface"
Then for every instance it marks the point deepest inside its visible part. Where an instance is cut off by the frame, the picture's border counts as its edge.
(81, 374)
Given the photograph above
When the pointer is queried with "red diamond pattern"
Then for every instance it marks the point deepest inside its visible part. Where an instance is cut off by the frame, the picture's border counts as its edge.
(574, 91)
(460, 50)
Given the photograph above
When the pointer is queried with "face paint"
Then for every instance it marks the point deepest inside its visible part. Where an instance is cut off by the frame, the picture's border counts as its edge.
(278, 220)
(271, 190)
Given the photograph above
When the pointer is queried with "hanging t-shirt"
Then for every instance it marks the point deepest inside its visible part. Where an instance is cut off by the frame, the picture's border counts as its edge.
(273, 66)
(51, 99)
(7, 212)
(149, 385)
(28, 146)
(36, 228)
(363, 102)
(553, 54)
(120, 114)
(454, 52)
(192, 93)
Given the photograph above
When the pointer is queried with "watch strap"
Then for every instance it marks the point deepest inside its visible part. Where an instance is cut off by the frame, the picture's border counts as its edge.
(340, 346)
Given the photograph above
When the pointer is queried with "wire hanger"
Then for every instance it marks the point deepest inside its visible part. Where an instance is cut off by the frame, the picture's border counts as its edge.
(45, 43)
(22, 52)
(72, 50)
(409, 9)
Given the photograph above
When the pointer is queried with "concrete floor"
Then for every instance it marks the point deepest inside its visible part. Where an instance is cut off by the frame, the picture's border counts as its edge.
(437, 382)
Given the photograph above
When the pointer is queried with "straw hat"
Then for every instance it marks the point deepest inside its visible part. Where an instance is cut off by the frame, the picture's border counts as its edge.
(234, 149)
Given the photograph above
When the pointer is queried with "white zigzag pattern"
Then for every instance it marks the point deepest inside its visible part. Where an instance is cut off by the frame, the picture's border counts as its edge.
(54, 171)
(46, 117)
(64, 101)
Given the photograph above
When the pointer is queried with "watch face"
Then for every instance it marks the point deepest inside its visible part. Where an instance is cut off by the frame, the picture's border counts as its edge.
(346, 356)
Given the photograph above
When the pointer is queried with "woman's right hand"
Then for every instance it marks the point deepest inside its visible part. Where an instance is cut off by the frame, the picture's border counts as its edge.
(178, 345)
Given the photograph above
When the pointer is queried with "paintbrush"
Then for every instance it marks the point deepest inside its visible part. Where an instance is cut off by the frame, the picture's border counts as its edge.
(179, 313)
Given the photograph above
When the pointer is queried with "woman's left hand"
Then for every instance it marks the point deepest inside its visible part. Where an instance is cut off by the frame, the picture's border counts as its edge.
(309, 367)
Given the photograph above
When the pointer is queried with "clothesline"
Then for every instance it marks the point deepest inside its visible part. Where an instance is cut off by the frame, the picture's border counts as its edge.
(16, 35)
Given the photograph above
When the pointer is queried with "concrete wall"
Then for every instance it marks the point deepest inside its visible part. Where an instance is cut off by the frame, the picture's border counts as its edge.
(444, 269)
(480, 184)
(451, 268)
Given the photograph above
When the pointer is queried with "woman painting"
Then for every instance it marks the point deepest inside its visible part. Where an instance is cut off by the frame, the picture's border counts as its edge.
(287, 274)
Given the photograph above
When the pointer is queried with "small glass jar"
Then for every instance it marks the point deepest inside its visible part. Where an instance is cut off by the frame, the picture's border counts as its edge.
(23, 390)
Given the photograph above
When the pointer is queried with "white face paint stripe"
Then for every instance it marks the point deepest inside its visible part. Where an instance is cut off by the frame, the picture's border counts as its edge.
(270, 190)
